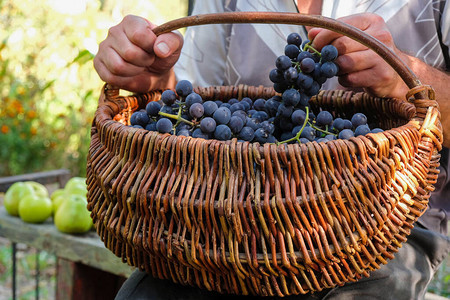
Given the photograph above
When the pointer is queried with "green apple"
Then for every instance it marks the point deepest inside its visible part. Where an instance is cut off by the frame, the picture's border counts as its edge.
(76, 185)
(38, 188)
(34, 208)
(57, 193)
(15, 193)
(73, 216)
(58, 199)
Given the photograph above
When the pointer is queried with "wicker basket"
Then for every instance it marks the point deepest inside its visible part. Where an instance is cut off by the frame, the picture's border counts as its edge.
(245, 218)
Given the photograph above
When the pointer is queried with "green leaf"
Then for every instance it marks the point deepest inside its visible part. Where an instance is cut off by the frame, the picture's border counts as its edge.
(83, 57)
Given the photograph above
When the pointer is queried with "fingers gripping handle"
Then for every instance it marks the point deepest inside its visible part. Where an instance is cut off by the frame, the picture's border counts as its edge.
(298, 19)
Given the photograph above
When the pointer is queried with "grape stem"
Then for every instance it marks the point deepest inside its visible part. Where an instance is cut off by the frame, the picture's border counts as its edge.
(321, 130)
(309, 47)
(176, 117)
(297, 136)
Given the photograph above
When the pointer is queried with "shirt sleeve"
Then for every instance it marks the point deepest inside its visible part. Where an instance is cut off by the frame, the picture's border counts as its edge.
(204, 52)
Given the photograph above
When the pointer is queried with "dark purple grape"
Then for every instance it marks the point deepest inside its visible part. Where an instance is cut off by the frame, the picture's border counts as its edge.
(296, 130)
(261, 136)
(298, 117)
(236, 106)
(362, 130)
(307, 65)
(291, 97)
(271, 139)
(283, 62)
(304, 140)
(338, 124)
(328, 53)
(139, 118)
(268, 127)
(198, 133)
(236, 124)
(259, 104)
(227, 105)
(346, 134)
(151, 126)
(193, 98)
(304, 99)
(218, 102)
(276, 76)
(285, 111)
(247, 134)
(291, 51)
(246, 105)
(314, 89)
(222, 132)
(208, 125)
(271, 106)
(308, 133)
(137, 126)
(233, 101)
(210, 107)
(184, 88)
(304, 81)
(251, 123)
(183, 125)
(322, 140)
(290, 74)
(348, 124)
(260, 116)
(196, 110)
(241, 114)
(183, 132)
(376, 130)
(358, 119)
(330, 137)
(324, 118)
(247, 100)
(304, 54)
(152, 108)
(222, 115)
(168, 97)
(280, 87)
(328, 69)
(294, 39)
(164, 125)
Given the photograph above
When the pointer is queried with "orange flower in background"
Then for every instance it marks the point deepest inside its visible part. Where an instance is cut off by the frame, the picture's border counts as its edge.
(17, 106)
(31, 114)
(4, 129)
(33, 130)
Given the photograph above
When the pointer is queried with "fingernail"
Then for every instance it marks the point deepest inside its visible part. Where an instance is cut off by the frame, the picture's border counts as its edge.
(163, 47)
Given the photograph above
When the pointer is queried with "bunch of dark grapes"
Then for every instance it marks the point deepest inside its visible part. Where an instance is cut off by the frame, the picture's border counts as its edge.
(284, 118)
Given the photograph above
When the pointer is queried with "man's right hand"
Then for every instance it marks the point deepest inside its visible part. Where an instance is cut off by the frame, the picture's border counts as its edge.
(133, 58)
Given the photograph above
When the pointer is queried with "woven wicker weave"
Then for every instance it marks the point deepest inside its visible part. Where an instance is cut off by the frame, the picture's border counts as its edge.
(245, 218)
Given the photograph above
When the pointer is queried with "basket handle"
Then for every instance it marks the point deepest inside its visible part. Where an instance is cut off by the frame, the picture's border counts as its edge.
(302, 19)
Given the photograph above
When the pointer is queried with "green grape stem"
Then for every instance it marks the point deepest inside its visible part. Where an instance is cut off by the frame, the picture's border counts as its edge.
(321, 130)
(309, 47)
(176, 117)
(297, 136)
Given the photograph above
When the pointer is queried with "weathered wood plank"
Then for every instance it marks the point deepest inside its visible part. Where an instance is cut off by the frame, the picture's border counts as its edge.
(87, 248)
(54, 176)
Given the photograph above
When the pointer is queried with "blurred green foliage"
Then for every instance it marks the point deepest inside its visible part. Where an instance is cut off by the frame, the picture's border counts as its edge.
(48, 86)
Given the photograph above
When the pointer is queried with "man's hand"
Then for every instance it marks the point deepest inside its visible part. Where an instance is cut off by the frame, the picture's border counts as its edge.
(360, 67)
(133, 58)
